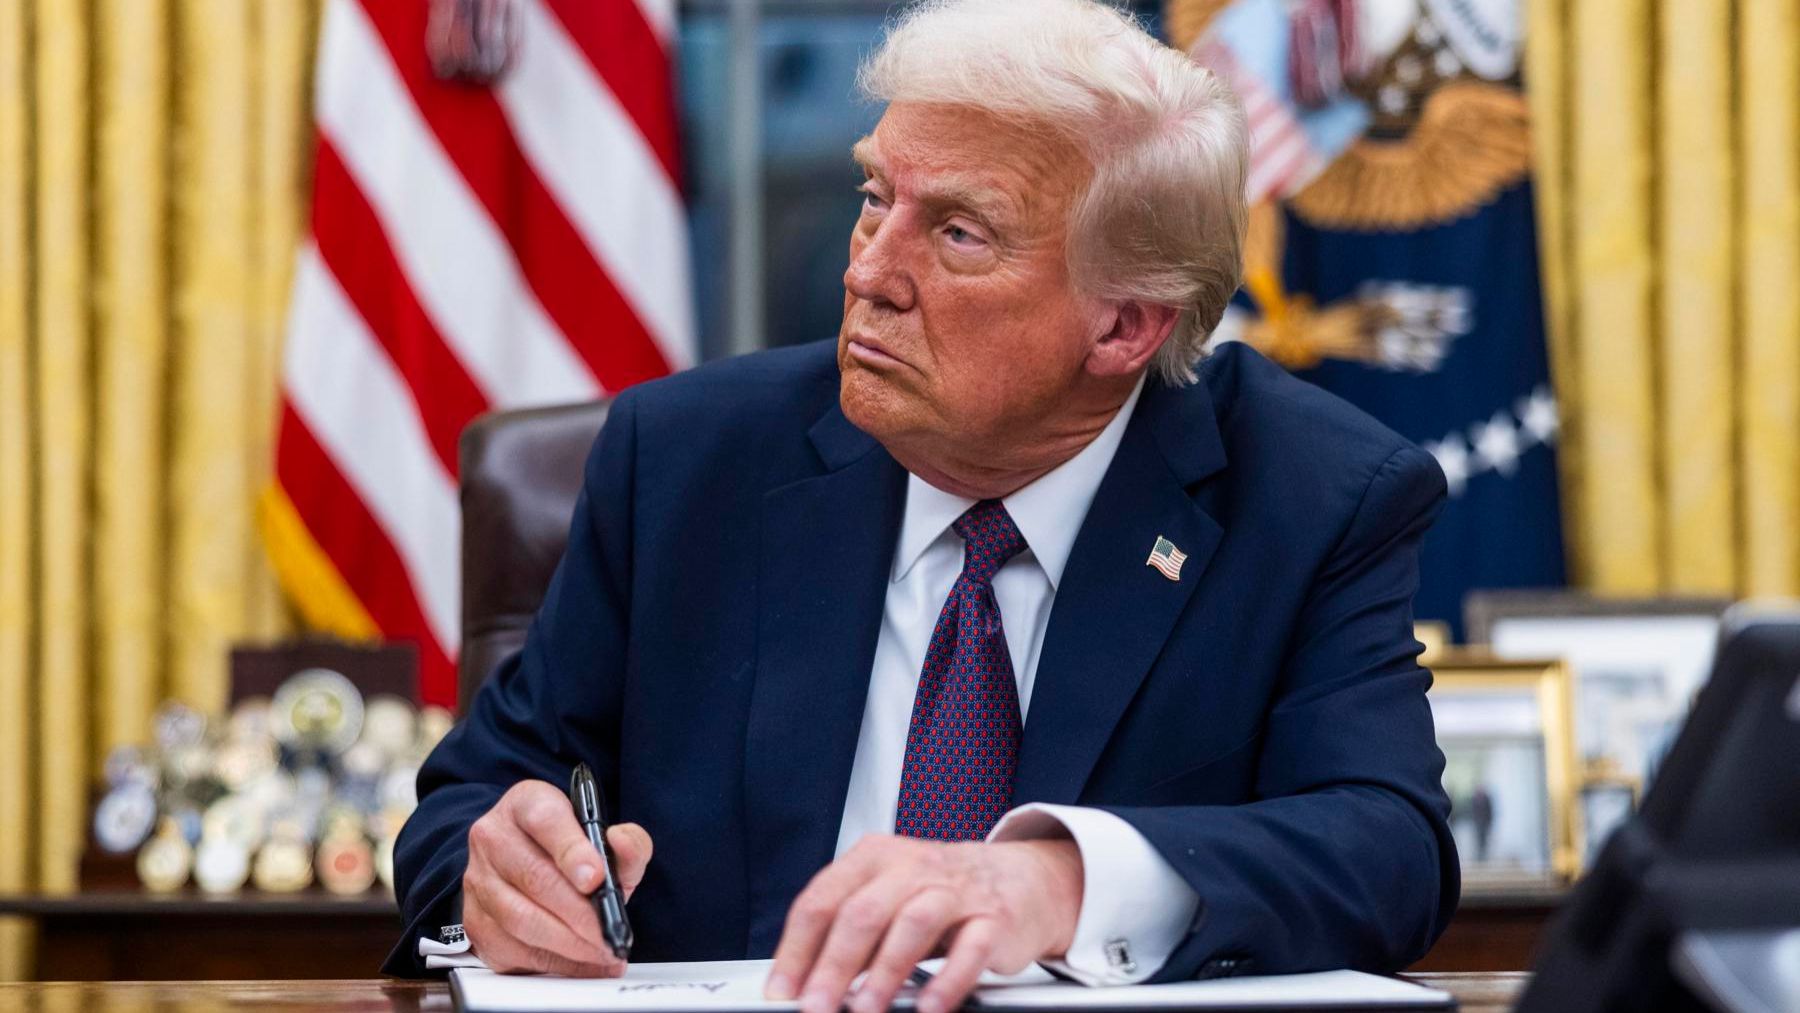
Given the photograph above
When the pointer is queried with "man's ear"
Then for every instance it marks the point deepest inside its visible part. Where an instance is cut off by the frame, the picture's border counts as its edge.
(1138, 330)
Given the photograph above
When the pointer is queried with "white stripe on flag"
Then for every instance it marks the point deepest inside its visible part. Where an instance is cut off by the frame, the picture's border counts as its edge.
(661, 16)
(454, 256)
(615, 191)
(1271, 167)
(340, 381)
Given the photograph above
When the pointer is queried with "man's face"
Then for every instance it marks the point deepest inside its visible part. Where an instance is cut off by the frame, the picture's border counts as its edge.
(961, 328)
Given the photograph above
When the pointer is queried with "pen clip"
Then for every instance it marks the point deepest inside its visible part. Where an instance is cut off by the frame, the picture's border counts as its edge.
(584, 794)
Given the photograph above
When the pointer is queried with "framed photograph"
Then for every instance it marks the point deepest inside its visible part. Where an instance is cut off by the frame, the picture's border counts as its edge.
(1636, 665)
(1505, 730)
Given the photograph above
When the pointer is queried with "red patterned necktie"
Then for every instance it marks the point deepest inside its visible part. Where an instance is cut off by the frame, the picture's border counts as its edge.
(963, 743)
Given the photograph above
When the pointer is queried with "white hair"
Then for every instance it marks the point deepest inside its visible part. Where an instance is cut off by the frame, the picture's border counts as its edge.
(1162, 219)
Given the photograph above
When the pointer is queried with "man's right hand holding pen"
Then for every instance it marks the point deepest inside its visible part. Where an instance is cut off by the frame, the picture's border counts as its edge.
(531, 873)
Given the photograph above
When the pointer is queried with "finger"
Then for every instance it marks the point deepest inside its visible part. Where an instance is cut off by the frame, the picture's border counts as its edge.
(504, 850)
(809, 919)
(632, 847)
(545, 816)
(918, 927)
(547, 943)
(862, 919)
(501, 952)
(962, 968)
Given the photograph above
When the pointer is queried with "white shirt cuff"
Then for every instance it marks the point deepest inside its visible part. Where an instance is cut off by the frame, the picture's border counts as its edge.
(441, 955)
(1135, 908)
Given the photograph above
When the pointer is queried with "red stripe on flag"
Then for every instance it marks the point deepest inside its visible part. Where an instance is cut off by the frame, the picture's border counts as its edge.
(625, 53)
(560, 268)
(356, 248)
(355, 543)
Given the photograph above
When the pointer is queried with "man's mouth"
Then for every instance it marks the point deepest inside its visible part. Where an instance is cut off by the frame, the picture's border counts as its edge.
(871, 352)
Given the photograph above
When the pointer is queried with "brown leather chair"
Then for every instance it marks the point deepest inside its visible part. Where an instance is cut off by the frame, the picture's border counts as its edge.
(521, 474)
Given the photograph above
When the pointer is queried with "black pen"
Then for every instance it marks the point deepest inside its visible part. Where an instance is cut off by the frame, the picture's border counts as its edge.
(609, 900)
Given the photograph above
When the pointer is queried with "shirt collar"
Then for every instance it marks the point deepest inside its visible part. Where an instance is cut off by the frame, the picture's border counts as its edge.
(1048, 512)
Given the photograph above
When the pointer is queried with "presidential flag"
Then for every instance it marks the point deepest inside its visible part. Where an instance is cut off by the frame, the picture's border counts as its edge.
(1399, 269)
(496, 222)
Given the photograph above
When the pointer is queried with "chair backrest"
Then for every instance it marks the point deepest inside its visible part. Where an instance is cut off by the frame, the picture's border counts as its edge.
(521, 473)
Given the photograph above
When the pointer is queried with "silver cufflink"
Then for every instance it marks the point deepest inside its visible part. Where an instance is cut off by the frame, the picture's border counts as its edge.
(1118, 955)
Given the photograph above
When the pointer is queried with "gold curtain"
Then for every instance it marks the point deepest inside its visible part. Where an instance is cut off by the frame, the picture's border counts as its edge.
(1667, 148)
(153, 175)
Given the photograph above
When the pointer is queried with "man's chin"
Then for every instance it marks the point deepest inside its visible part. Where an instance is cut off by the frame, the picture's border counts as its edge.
(872, 402)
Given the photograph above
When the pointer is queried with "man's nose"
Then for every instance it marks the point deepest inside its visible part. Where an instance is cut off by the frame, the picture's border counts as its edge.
(879, 271)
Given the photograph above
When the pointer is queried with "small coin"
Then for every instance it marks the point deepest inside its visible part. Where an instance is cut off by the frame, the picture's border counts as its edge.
(434, 724)
(234, 818)
(384, 860)
(317, 709)
(250, 720)
(390, 724)
(240, 761)
(346, 863)
(130, 763)
(178, 725)
(124, 818)
(284, 863)
(399, 789)
(365, 759)
(164, 862)
(221, 865)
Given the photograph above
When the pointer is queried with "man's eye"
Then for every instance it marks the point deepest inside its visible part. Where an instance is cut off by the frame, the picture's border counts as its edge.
(960, 235)
(872, 199)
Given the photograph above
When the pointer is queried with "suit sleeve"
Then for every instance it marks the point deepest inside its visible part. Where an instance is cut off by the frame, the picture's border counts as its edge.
(1345, 858)
(551, 705)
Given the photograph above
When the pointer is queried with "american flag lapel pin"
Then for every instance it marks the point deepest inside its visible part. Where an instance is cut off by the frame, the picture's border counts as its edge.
(1166, 558)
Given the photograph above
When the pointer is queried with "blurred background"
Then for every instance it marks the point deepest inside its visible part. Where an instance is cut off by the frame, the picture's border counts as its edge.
(261, 261)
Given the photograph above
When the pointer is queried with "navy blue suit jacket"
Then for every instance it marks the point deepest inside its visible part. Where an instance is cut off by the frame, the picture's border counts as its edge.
(707, 641)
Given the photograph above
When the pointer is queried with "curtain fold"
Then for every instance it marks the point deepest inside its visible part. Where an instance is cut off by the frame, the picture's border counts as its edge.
(17, 611)
(1768, 93)
(1668, 171)
(154, 159)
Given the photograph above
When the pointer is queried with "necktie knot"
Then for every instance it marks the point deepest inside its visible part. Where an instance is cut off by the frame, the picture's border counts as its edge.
(991, 538)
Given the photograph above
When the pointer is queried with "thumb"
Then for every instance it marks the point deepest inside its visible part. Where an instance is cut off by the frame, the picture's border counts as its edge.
(631, 847)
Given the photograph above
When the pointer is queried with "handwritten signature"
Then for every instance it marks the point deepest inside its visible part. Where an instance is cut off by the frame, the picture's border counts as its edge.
(652, 986)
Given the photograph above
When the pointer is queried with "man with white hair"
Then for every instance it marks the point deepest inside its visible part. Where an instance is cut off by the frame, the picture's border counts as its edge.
(1009, 627)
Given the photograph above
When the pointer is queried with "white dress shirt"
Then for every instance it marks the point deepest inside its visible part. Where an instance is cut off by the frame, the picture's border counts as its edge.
(1135, 908)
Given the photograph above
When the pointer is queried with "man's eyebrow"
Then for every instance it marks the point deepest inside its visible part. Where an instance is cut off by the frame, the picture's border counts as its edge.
(863, 153)
(993, 205)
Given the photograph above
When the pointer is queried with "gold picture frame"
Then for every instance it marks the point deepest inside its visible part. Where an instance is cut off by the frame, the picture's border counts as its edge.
(1492, 713)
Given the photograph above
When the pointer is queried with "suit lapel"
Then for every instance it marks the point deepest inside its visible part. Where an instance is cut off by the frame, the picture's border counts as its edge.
(1113, 613)
(827, 548)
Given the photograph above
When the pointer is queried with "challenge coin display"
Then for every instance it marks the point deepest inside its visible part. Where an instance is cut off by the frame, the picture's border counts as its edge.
(308, 785)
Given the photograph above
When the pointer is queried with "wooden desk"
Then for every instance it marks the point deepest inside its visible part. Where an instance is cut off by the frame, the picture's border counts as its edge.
(131, 934)
(1478, 993)
(1494, 930)
(122, 935)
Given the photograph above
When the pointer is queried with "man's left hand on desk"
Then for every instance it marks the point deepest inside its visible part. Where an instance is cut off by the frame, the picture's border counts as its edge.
(890, 902)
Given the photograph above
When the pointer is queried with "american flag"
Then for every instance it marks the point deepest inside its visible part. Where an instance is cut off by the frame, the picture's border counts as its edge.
(474, 245)
(1166, 558)
(1251, 45)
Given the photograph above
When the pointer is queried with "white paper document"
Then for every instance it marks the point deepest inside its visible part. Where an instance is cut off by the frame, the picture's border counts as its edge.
(732, 986)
